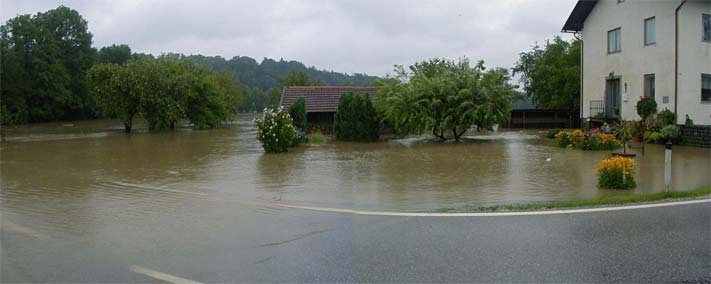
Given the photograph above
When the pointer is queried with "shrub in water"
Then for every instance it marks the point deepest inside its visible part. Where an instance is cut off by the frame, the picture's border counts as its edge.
(297, 111)
(356, 119)
(552, 132)
(600, 141)
(667, 117)
(566, 137)
(317, 138)
(670, 133)
(275, 131)
(616, 173)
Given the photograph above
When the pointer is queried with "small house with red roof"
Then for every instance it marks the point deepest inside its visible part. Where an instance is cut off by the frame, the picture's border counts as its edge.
(321, 101)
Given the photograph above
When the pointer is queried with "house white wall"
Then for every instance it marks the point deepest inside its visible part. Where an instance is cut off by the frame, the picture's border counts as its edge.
(694, 59)
(638, 59)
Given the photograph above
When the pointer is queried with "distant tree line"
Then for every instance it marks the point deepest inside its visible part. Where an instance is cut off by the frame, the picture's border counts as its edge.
(46, 57)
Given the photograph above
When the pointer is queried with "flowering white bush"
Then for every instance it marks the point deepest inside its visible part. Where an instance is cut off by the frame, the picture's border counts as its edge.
(275, 130)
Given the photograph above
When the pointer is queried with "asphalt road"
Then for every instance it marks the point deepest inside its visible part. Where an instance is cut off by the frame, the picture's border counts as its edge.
(665, 244)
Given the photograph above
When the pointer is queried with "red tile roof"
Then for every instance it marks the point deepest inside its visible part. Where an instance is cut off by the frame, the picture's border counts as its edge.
(321, 98)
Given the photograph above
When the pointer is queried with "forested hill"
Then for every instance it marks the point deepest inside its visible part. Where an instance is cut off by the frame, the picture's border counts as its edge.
(266, 75)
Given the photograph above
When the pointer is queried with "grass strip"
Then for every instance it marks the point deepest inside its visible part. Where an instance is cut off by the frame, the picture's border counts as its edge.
(576, 203)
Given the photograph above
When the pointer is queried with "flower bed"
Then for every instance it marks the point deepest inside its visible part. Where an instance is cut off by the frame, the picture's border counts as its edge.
(593, 140)
(616, 173)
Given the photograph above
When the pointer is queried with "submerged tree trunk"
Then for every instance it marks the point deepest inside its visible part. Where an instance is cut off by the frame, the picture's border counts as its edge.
(440, 135)
(128, 124)
(458, 135)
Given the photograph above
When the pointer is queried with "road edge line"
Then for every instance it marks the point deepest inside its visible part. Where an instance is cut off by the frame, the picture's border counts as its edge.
(489, 214)
(161, 276)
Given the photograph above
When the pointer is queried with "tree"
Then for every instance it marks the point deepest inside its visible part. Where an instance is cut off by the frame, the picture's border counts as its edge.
(163, 92)
(551, 75)
(117, 90)
(445, 97)
(298, 78)
(117, 54)
(356, 119)
(44, 62)
(297, 111)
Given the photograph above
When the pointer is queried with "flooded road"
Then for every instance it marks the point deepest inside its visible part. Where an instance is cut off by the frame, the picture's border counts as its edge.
(87, 203)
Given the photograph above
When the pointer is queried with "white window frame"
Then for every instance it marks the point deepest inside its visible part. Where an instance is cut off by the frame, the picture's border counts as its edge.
(617, 32)
(650, 89)
(647, 32)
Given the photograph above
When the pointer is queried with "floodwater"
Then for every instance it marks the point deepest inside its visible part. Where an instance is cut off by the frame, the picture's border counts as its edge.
(93, 162)
(83, 202)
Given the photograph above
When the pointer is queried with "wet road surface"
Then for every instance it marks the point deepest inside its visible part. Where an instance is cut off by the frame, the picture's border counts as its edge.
(642, 245)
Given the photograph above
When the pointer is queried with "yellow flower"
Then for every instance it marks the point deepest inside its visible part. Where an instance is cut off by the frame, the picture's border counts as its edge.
(576, 136)
(616, 163)
(607, 138)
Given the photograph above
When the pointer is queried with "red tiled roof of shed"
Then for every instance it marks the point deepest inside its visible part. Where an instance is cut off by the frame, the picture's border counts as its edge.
(321, 98)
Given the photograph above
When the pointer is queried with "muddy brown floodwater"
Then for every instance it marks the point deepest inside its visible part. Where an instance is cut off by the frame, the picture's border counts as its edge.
(71, 169)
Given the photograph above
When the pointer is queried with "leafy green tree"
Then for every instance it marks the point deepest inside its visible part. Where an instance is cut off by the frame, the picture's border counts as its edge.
(551, 75)
(118, 91)
(356, 119)
(44, 62)
(163, 92)
(117, 54)
(297, 111)
(445, 97)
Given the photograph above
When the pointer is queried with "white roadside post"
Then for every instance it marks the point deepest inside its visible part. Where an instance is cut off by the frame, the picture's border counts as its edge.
(667, 166)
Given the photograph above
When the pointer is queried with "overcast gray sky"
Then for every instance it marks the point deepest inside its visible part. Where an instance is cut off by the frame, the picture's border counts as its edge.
(365, 36)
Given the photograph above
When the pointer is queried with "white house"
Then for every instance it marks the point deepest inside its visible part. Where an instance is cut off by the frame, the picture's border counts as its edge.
(635, 48)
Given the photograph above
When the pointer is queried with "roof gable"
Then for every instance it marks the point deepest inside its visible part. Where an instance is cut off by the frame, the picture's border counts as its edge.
(578, 15)
(321, 98)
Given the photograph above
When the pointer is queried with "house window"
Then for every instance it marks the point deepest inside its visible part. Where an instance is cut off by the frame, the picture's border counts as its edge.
(614, 41)
(650, 36)
(649, 85)
(706, 21)
(706, 88)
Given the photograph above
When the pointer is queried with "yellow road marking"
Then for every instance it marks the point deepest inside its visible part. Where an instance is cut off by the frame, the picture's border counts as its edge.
(162, 276)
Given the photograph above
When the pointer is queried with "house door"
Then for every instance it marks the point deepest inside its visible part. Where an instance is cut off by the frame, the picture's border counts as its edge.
(613, 99)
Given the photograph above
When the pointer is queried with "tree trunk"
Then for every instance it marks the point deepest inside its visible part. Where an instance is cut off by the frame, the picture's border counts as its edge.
(458, 135)
(127, 127)
(440, 135)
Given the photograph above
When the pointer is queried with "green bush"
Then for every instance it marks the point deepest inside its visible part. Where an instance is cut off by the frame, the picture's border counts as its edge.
(297, 111)
(356, 119)
(275, 131)
(595, 143)
(670, 133)
(667, 117)
(552, 132)
(317, 138)
(646, 107)
(688, 121)
(653, 136)
(616, 180)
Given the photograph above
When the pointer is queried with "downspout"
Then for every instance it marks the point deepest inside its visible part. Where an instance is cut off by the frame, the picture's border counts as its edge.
(582, 70)
(676, 54)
